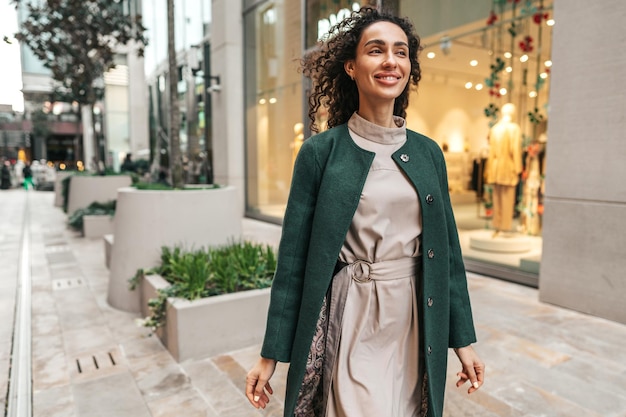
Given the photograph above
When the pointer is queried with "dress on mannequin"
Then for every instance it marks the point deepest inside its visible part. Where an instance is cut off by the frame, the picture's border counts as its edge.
(504, 166)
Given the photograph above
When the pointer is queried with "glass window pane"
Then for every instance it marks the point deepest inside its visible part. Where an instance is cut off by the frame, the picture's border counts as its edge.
(322, 14)
(273, 103)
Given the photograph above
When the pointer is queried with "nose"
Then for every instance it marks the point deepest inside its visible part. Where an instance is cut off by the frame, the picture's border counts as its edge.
(390, 60)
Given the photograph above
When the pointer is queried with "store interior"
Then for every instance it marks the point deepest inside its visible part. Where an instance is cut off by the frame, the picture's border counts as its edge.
(472, 76)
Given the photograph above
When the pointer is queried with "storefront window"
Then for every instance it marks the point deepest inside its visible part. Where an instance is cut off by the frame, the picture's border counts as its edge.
(477, 58)
(322, 14)
(476, 77)
(273, 86)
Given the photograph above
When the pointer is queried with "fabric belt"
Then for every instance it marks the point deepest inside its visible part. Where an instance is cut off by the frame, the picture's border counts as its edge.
(365, 271)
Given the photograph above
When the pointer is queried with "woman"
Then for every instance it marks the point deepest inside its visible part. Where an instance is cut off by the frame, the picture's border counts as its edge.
(363, 318)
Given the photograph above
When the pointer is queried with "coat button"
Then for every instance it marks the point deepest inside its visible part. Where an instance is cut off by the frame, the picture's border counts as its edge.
(430, 302)
(430, 349)
(431, 254)
(404, 157)
(430, 199)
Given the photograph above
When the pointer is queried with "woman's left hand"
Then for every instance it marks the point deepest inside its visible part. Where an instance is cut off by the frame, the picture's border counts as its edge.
(473, 368)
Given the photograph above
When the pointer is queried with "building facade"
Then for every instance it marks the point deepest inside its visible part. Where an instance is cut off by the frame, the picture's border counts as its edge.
(195, 84)
(477, 57)
(62, 133)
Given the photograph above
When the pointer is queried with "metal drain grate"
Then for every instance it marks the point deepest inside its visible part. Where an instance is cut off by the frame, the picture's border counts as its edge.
(57, 248)
(67, 283)
(96, 362)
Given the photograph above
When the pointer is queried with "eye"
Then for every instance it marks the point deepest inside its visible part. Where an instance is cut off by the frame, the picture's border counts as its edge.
(402, 52)
(375, 51)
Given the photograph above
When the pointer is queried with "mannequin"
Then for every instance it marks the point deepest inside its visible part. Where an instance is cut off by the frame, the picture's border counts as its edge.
(504, 165)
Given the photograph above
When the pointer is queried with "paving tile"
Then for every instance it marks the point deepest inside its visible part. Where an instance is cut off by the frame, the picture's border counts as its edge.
(87, 339)
(49, 367)
(77, 309)
(140, 347)
(66, 271)
(159, 376)
(185, 399)
(216, 387)
(114, 395)
(54, 402)
(60, 258)
(45, 324)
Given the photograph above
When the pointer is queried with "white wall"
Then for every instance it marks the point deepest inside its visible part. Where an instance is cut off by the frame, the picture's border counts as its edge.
(583, 265)
(227, 63)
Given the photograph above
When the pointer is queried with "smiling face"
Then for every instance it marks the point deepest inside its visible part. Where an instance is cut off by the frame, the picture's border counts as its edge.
(382, 66)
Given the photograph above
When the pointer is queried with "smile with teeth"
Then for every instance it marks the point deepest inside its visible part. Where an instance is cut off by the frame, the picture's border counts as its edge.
(388, 77)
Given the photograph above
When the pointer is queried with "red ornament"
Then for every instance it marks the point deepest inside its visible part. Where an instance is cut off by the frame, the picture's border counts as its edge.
(495, 90)
(492, 18)
(539, 16)
(526, 44)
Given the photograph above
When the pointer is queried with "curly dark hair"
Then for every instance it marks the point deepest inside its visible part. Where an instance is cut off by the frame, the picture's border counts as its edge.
(332, 87)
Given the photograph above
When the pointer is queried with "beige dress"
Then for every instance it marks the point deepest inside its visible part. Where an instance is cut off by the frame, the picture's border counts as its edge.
(376, 355)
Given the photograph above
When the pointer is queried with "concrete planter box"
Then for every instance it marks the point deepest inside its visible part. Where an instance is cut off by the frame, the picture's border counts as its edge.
(95, 225)
(146, 220)
(209, 326)
(84, 190)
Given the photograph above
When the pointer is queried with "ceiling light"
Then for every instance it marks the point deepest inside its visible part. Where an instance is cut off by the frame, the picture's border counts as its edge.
(473, 62)
(544, 75)
(468, 85)
(532, 94)
(273, 100)
(262, 101)
(548, 63)
(508, 55)
(430, 55)
(523, 58)
(509, 69)
(503, 91)
(479, 86)
(550, 22)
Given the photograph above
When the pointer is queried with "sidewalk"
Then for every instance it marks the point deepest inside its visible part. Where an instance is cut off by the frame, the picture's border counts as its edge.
(91, 360)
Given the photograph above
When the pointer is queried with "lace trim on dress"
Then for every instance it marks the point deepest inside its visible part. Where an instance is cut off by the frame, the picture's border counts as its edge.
(310, 401)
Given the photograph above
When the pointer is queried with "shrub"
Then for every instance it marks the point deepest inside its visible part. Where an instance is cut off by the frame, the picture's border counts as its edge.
(202, 273)
(160, 186)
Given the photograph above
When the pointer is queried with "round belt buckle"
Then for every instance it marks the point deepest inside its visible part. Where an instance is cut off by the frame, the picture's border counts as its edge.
(361, 271)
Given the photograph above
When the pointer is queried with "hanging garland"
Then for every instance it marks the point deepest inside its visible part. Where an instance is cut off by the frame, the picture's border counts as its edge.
(527, 10)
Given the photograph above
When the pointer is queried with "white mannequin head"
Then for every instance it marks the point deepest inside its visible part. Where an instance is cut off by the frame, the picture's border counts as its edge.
(508, 111)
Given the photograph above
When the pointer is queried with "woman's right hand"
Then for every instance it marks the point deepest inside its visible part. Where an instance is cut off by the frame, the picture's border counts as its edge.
(257, 381)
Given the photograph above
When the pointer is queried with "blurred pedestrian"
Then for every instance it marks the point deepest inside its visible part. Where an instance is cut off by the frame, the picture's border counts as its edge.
(28, 176)
(128, 165)
(5, 175)
(363, 318)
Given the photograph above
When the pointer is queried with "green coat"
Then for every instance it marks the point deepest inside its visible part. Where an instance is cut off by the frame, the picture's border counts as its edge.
(326, 187)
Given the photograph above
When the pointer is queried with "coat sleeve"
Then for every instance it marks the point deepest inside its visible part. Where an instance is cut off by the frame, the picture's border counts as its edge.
(462, 332)
(286, 292)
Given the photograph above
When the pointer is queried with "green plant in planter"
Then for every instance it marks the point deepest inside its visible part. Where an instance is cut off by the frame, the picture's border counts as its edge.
(159, 186)
(76, 219)
(235, 267)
